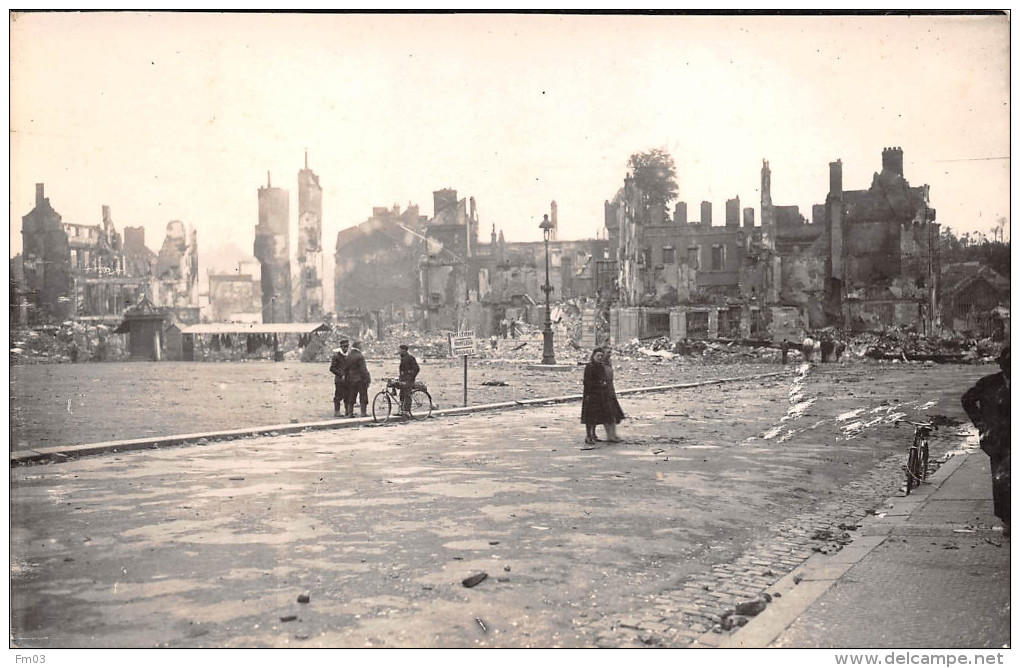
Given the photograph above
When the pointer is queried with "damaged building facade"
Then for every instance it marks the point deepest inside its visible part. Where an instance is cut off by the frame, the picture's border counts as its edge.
(272, 250)
(467, 284)
(309, 250)
(867, 260)
(175, 282)
(89, 273)
(437, 272)
(685, 278)
(286, 297)
(377, 262)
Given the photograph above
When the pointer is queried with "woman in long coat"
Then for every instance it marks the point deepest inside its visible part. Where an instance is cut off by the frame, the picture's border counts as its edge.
(594, 407)
(615, 410)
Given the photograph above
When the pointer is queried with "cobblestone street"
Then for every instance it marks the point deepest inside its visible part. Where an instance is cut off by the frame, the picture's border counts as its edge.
(717, 493)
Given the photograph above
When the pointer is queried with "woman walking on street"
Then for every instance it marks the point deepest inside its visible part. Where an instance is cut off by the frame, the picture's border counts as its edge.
(615, 412)
(594, 407)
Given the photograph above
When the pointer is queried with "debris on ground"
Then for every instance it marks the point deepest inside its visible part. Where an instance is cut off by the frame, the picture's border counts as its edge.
(79, 342)
(750, 608)
(833, 540)
(304, 598)
(474, 580)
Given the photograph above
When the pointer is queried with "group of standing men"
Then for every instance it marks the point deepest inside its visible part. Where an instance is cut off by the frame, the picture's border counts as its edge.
(350, 379)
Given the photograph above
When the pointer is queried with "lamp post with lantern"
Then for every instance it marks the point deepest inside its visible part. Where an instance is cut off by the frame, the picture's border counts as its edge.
(548, 357)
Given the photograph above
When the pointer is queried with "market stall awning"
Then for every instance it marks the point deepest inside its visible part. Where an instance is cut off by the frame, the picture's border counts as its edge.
(255, 328)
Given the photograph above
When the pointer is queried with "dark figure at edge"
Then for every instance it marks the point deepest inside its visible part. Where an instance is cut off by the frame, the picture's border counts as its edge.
(987, 405)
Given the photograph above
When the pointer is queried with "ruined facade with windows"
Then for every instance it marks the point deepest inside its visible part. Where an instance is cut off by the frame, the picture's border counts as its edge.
(867, 260)
(685, 279)
(75, 271)
(89, 273)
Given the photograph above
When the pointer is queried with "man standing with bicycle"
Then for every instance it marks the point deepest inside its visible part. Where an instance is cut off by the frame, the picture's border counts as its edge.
(407, 374)
(987, 405)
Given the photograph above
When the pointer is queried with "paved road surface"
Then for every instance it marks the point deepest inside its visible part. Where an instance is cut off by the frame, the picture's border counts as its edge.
(210, 546)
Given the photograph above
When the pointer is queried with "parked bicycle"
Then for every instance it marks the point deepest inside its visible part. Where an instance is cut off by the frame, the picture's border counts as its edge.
(917, 457)
(387, 405)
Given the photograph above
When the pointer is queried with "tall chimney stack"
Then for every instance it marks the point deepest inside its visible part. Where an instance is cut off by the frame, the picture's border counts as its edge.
(836, 178)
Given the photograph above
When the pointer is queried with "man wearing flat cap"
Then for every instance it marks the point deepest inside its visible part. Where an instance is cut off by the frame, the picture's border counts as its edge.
(407, 375)
(338, 367)
(987, 405)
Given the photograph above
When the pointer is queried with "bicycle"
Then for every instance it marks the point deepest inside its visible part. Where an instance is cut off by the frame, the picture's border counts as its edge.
(386, 404)
(917, 459)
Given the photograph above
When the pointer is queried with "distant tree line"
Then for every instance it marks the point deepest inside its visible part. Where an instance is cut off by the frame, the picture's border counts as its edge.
(976, 247)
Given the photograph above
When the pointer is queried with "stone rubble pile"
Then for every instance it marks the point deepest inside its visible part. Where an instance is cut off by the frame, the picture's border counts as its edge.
(71, 341)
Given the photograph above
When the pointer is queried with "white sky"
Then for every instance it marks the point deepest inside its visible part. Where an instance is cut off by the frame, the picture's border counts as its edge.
(180, 116)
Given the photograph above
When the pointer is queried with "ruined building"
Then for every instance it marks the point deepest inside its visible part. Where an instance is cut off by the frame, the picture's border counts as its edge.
(447, 277)
(686, 279)
(139, 260)
(175, 281)
(272, 249)
(377, 261)
(309, 251)
(437, 271)
(75, 271)
(868, 260)
(236, 296)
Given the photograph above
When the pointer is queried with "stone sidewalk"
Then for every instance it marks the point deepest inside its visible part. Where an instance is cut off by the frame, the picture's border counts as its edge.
(932, 571)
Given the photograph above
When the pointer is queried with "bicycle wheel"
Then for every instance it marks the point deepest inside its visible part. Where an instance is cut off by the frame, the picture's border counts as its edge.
(382, 407)
(421, 404)
(912, 462)
(924, 459)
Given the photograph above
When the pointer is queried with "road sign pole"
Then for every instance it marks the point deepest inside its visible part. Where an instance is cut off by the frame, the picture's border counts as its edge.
(465, 381)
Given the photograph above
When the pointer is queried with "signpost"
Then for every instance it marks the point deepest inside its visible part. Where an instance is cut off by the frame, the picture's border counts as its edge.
(463, 343)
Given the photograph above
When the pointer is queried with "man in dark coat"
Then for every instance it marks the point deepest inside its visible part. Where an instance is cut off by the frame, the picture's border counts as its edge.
(407, 374)
(987, 405)
(338, 367)
(358, 380)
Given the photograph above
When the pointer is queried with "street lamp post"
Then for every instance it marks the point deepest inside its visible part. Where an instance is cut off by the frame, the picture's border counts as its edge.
(548, 357)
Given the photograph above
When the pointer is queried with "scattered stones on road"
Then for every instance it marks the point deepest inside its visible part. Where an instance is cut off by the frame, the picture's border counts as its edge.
(474, 580)
(304, 598)
(750, 608)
